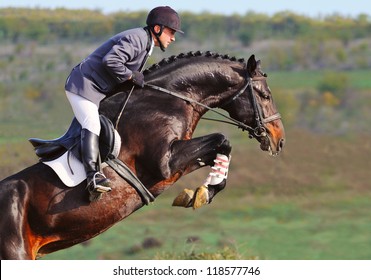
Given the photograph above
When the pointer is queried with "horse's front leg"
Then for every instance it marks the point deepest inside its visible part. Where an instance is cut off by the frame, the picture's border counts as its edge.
(189, 155)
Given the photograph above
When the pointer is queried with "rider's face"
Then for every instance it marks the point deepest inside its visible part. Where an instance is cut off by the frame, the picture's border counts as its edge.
(167, 36)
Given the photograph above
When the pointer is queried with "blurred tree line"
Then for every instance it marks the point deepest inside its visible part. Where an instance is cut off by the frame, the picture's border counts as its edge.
(45, 25)
(300, 42)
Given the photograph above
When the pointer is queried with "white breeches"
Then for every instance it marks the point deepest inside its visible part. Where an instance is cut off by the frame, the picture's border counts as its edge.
(85, 111)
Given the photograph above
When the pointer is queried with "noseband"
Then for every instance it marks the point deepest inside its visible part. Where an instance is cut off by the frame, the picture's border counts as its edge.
(254, 132)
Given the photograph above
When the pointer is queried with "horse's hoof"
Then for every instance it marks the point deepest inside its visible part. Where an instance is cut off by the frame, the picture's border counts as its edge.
(201, 197)
(184, 198)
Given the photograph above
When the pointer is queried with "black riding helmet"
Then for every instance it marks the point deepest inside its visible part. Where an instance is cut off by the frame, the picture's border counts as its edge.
(164, 16)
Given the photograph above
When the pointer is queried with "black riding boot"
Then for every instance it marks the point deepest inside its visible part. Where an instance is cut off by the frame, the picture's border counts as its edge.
(97, 183)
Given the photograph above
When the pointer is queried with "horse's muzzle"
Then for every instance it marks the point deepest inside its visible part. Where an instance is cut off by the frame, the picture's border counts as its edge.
(267, 144)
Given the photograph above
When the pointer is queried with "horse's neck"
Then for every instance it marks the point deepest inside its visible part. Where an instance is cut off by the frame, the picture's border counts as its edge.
(203, 82)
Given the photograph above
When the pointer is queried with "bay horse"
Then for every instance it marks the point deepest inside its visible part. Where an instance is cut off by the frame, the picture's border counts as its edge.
(40, 215)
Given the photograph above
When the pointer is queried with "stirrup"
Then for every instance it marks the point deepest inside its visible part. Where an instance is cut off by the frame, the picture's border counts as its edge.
(99, 185)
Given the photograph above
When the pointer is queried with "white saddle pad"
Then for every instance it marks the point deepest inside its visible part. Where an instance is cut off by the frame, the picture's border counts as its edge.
(63, 170)
(70, 170)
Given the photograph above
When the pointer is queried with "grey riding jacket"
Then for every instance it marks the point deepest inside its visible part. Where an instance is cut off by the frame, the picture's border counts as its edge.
(97, 76)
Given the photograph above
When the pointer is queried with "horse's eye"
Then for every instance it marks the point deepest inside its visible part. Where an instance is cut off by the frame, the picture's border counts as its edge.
(265, 94)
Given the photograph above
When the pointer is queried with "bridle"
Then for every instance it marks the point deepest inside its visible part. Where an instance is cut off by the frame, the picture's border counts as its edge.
(258, 131)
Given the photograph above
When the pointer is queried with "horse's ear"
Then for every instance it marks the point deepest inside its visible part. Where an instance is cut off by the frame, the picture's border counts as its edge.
(251, 65)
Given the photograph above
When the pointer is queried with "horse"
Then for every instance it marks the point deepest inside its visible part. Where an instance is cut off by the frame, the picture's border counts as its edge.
(40, 215)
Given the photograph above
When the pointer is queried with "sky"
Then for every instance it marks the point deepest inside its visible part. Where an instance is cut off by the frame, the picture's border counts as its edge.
(312, 8)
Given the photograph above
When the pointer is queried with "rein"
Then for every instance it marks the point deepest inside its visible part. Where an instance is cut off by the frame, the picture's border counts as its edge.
(190, 100)
(258, 131)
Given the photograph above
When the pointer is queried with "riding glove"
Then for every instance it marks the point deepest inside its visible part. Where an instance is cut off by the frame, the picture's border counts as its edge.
(137, 79)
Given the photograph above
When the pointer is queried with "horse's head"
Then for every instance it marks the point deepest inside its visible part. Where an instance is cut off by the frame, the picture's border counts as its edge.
(254, 107)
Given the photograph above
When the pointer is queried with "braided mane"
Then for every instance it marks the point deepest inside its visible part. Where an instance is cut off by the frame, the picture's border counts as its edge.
(171, 59)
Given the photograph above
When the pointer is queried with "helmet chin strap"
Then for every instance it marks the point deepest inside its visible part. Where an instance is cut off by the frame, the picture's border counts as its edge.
(157, 35)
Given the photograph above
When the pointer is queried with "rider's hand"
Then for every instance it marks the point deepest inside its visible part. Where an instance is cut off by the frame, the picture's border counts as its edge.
(137, 79)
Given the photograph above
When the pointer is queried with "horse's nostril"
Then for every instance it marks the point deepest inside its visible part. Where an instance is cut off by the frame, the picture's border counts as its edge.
(281, 144)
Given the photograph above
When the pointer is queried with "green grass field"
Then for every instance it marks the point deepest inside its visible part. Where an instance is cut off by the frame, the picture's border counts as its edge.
(310, 227)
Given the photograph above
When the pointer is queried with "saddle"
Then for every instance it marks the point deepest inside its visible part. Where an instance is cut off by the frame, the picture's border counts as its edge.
(109, 147)
(48, 150)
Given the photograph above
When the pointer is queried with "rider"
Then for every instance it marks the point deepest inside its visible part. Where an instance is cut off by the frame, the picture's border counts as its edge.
(119, 59)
